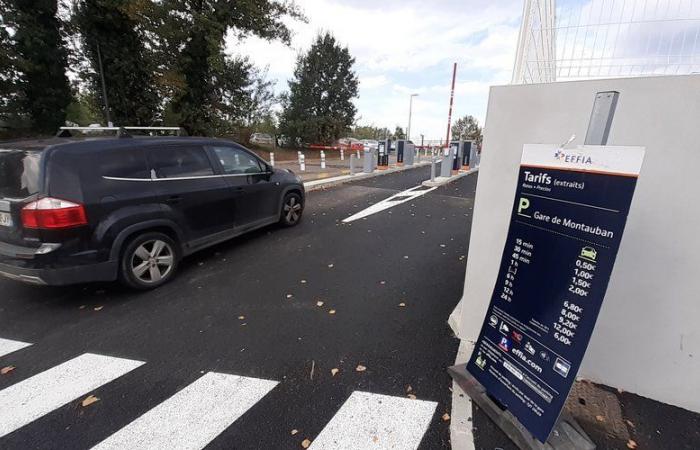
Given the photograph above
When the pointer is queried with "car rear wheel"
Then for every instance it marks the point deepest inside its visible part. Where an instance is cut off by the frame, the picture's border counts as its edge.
(292, 209)
(149, 261)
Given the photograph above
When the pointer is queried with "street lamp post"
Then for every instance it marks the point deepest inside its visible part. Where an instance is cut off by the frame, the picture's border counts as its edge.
(410, 110)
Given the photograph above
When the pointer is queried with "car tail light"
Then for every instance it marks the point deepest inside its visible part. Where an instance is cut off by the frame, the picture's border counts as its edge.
(53, 213)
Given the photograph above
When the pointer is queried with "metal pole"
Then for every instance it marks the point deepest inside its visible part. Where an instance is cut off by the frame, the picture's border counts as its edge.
(410, 111)
(432, 169)
(104, 86)
(352, 164)
(452, 96)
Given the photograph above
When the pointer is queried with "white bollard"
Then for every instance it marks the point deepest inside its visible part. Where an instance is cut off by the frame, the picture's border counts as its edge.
(302, 162)
(342, 154)
(323, 159)
(272, 159)
(358, 153)
(299, 156)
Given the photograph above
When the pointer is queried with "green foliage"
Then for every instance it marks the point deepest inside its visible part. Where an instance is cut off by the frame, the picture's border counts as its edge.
(117, 27)
(398, 133)
(467, 128)
(36, 83)
(369, 132)
(319, 107)
(209, 90)
(83, 110)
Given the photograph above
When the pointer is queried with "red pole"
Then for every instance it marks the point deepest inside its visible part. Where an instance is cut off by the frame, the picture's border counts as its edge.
(452, 96)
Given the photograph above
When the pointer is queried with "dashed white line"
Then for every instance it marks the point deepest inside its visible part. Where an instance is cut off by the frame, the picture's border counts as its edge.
(8, 346)
(34, 397)
(394, 200)
(374, 421)
(194, 416)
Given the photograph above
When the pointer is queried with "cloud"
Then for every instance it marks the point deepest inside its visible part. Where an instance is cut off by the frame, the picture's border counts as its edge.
(404, 47)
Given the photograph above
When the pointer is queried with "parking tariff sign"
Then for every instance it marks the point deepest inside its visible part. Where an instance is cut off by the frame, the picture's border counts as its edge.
(567, 221)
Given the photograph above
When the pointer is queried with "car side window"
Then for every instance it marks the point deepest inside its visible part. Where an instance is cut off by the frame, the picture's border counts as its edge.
(236, 161)
(123, 163)
(180, 162)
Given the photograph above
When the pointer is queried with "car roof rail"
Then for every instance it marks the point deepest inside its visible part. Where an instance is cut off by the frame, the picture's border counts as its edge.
(67, 131)
(120, 131)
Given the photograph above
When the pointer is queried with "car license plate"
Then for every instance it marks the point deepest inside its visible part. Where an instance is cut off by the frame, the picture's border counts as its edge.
(5, 219)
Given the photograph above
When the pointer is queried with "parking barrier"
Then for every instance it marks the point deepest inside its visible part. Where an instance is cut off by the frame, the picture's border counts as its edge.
(302, 162)
(272, 159)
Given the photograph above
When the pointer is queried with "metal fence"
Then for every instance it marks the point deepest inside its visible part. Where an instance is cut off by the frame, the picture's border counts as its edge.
(573, 40)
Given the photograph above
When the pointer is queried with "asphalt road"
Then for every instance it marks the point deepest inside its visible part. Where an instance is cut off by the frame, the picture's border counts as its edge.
(249, 307)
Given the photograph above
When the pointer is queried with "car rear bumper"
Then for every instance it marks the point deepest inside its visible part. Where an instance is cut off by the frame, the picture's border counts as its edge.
(106, 271)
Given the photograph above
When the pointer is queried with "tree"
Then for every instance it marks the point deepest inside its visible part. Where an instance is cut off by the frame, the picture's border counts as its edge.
(319, 107)
(9, 76)
(38, 62)
(196, 73)
(398, 133)
(369, 132)
(468, 128)
(115, 31)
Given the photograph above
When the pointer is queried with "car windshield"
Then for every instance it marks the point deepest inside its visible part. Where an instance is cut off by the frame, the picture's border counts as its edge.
(19, 173)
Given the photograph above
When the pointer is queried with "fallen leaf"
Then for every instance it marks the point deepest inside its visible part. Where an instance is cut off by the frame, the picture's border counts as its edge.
(89, 400)
(81, 307)
(334, 371)
(600, 418)
(319, 303)
(97, 308)
(294, 431)
(382, 282)
(445, 417)
(630, 423)
(290, 295)
(631, 444)
(305, 443)
(330, 266)
(402, 305)
(6, 370)
(303, 281)
(375, 439)
(241, 317)
(409, 388)
(332, 311)
(411, 396)
(360, 368)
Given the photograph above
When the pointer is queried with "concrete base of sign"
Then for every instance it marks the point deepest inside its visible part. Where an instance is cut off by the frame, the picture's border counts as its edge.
(439, 181)
(567, 434)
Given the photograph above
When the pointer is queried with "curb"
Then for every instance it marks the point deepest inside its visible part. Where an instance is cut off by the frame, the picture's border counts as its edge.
(333, 181)
(462, 423)
(441, 181)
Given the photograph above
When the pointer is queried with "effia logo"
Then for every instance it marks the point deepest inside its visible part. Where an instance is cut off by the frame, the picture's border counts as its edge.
(572, 158)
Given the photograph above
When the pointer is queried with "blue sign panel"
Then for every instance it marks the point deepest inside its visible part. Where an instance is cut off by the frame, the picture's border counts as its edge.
(567, 221)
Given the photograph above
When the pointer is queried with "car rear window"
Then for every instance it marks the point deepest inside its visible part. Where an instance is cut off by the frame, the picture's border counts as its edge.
(19, 173)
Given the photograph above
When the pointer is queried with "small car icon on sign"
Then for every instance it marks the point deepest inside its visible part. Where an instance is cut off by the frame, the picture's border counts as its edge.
(589, 253)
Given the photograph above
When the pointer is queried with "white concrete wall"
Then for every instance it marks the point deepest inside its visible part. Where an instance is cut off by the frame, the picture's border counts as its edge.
(647, 339)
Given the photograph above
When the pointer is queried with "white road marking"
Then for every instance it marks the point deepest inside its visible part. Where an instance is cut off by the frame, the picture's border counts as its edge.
(373, 421)
(34, 397)
(194, 416)
(8, 346)
(396, 199)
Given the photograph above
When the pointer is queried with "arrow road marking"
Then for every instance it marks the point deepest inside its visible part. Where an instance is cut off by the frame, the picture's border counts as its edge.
(394, 200)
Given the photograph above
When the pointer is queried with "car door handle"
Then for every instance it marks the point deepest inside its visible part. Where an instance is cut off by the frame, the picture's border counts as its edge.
(174, 199)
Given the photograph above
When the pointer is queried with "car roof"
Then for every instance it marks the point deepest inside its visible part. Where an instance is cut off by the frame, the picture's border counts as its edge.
(88, 145)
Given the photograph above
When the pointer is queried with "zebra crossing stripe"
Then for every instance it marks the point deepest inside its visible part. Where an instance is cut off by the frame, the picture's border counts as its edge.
(192, 417)
(7, 346)
(34, 397)
(374, 421)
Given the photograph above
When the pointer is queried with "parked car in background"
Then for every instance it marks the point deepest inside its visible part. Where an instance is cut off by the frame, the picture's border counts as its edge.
(370, 144)
(262, 139)
(74, 211)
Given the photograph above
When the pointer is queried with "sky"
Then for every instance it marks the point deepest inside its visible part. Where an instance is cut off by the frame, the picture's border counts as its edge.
(404, 47)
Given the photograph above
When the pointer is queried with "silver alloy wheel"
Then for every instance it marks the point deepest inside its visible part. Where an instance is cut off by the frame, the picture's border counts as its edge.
(292, 209)
(152, 261)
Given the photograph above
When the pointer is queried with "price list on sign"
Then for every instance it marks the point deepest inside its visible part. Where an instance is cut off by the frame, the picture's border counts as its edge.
(567, 221)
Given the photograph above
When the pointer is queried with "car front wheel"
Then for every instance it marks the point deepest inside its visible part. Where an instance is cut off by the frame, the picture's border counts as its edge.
(148, 261)
(292, 208)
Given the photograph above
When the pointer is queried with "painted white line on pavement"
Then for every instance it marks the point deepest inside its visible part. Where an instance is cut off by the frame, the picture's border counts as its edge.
(8, 346)
(194, 416)
(396, 199)
(373, 421)
(34, 397)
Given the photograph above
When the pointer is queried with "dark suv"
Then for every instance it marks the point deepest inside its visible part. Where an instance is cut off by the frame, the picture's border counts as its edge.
(74, 211)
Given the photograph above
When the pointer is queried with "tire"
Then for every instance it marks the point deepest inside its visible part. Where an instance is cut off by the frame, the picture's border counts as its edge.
(292, 209)
(148, 261)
